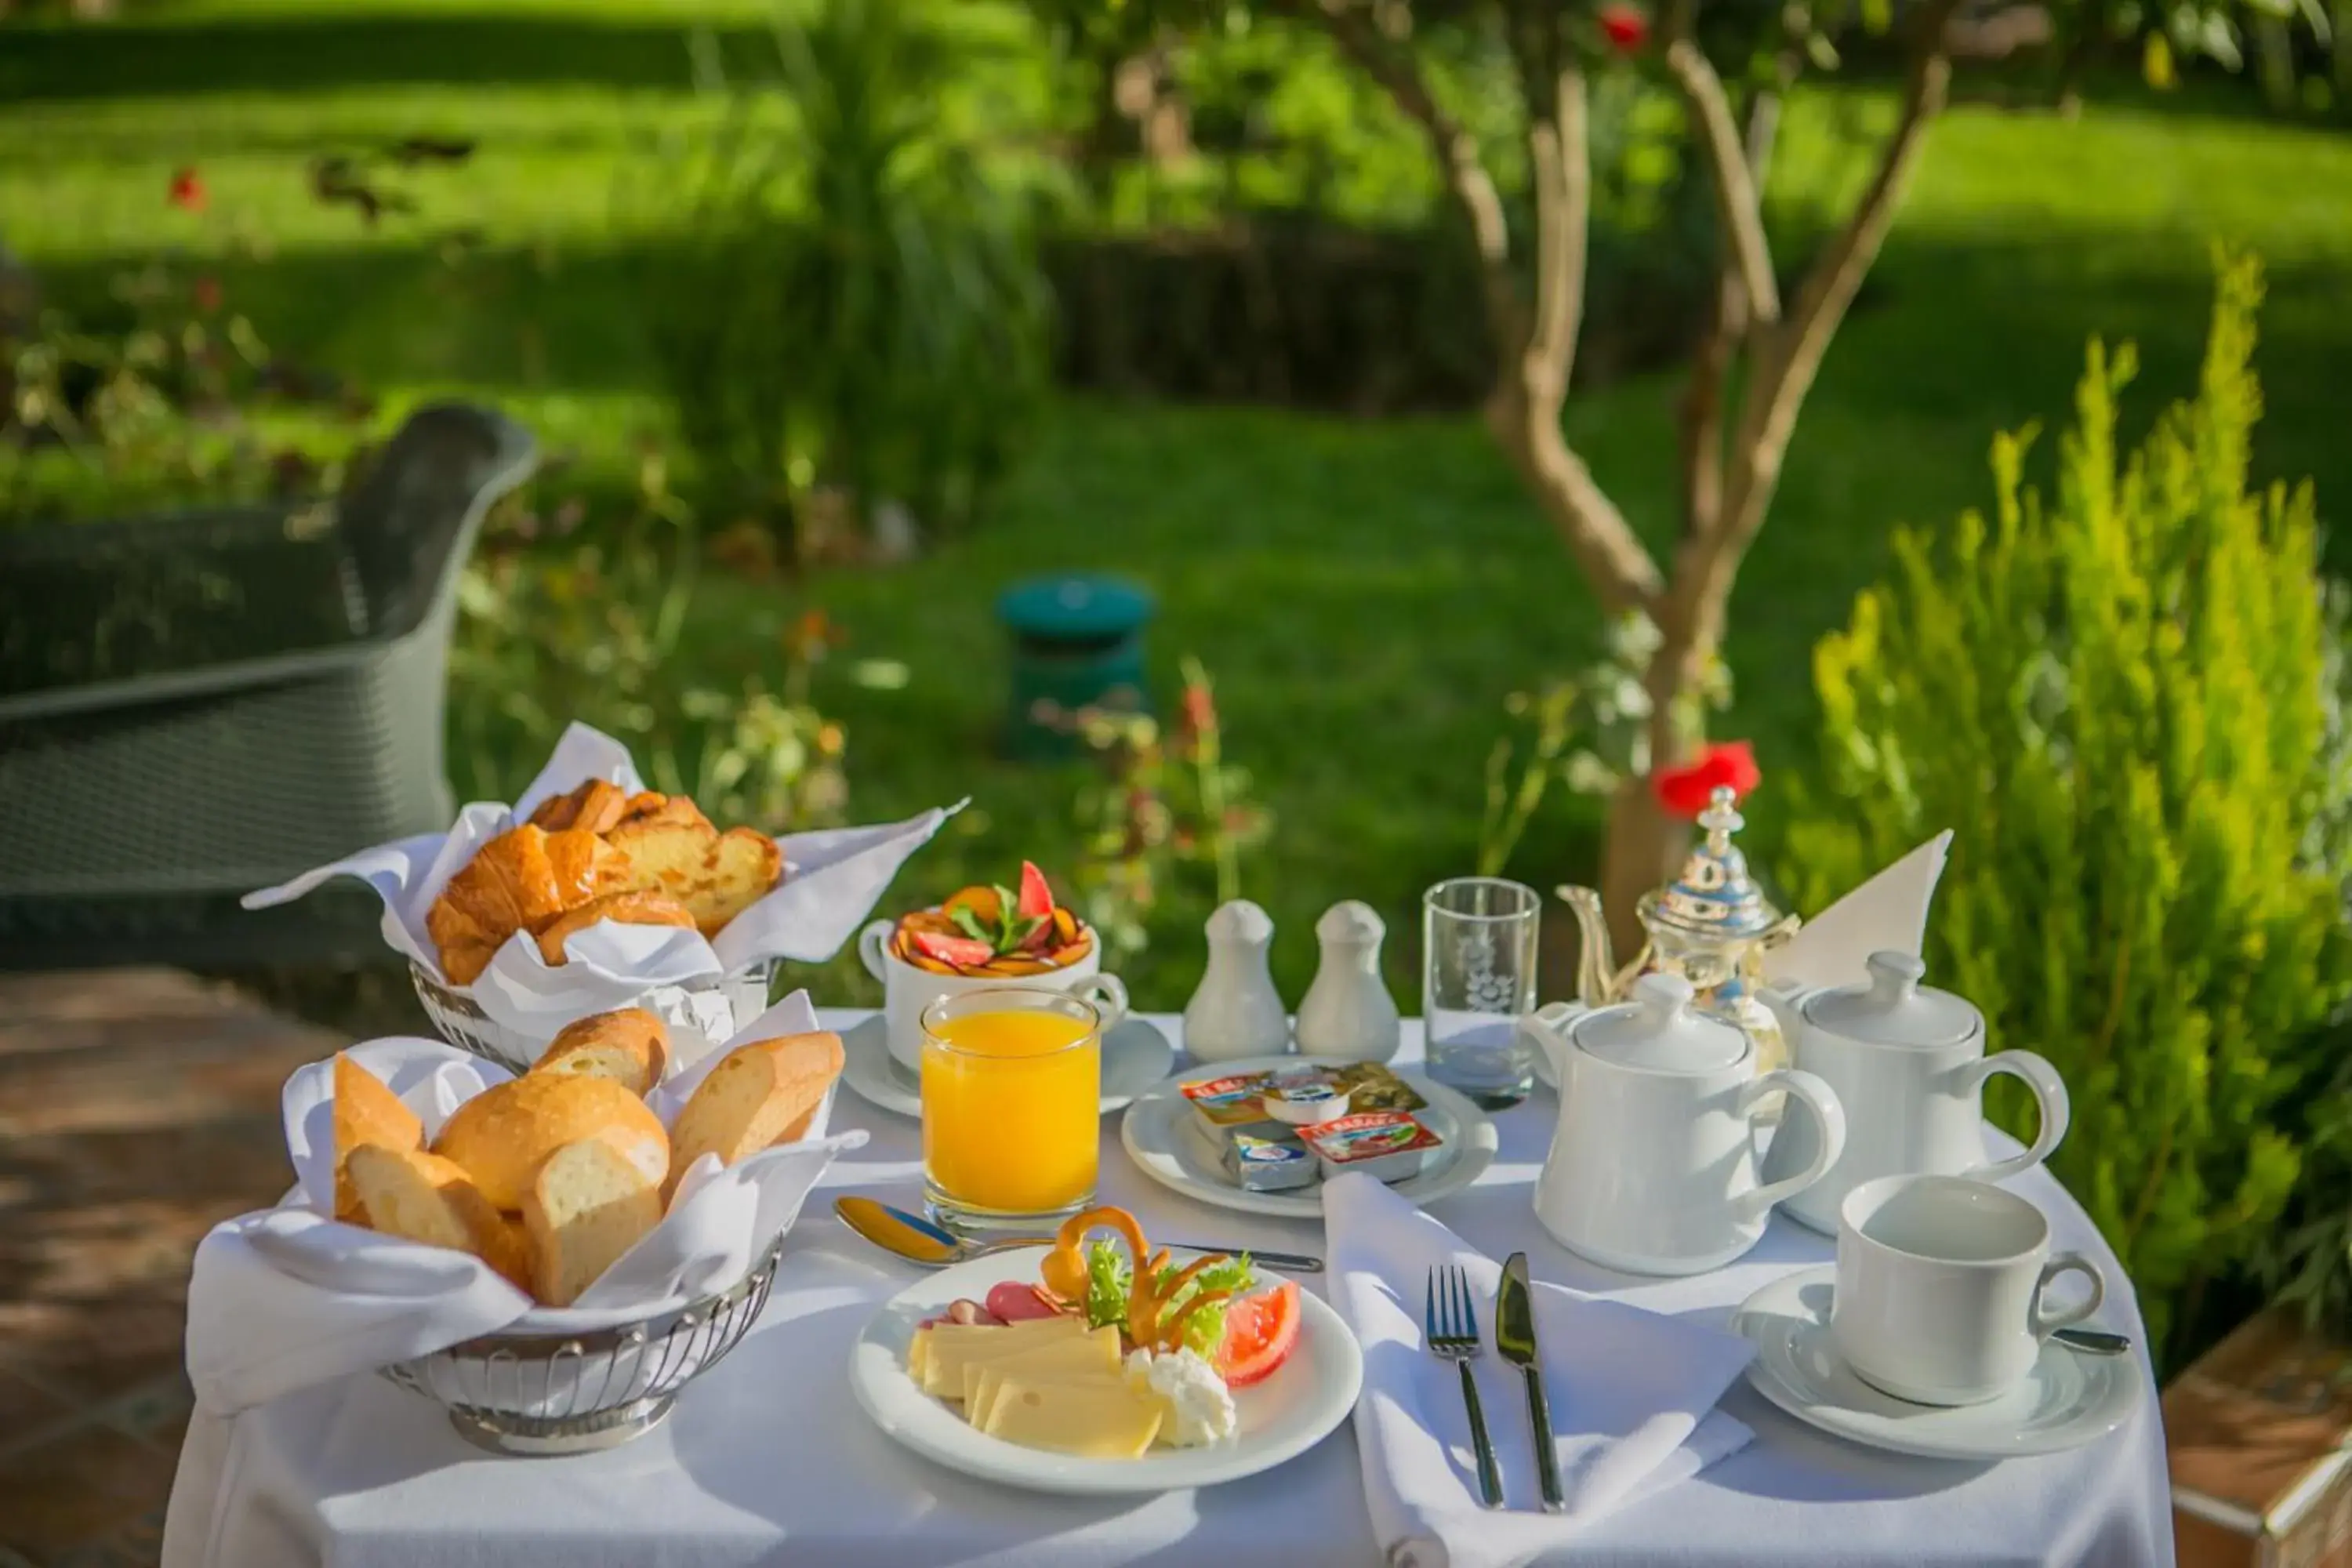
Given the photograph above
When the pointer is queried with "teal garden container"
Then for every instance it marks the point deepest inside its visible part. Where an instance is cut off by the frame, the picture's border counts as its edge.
(1076, 643)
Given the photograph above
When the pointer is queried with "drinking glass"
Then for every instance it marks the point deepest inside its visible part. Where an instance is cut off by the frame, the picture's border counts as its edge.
(1012, 1089)
(1477, 977)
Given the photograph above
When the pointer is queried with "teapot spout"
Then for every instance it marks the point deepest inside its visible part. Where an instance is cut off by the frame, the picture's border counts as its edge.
(1596, 967)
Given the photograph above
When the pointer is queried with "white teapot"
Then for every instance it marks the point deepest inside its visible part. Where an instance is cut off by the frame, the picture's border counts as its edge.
(1652, 1169)
(1909, 1063)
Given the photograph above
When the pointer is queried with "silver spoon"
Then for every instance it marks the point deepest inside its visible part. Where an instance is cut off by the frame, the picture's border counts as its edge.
(918, 1240)
(2098, 1341)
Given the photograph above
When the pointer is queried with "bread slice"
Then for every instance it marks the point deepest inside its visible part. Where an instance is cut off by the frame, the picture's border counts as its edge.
(505, 1133)
(366, 1112)
(587, 1206)
(424, 1197)
(762, 1093)
(716, 875)
(628, 907)
(630, 1046)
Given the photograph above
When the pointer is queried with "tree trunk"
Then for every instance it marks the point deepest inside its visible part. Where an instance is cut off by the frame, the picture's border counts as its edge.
(1642, 849)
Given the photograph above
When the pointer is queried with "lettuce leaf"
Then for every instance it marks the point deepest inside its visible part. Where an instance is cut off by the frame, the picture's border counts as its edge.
(1108, 1275)
(1205, 1330)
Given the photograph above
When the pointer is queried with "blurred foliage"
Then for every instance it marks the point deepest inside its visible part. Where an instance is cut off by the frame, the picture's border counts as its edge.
(559, 621)
(853, 305)
(2125, 704)
(1161, 802)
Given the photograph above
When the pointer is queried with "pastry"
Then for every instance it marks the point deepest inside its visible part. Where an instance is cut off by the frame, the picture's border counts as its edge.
(520, 881)
(586, 1207)
(652, 806)
(593, 807)
(629, 907)
(503, 1135)
(631, 1047)
(716, 875)
(366, 1112)
(763, 1093)
(424, 1197)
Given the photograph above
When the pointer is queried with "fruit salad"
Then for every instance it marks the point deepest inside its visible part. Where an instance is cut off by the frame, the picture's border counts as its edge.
(1115, 1348)
(995, 931)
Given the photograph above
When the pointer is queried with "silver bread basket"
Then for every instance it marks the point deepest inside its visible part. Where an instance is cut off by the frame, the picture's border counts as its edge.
(462, 1023)
(541, 1395)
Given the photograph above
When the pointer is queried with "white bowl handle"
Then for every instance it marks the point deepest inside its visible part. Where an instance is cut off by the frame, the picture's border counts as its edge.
(871, 948)
(1109, 994)
(1816, 1096)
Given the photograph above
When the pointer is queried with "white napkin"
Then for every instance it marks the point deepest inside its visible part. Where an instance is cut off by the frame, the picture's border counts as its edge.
(1889, 912)
(1633, 1395)
(832, 880)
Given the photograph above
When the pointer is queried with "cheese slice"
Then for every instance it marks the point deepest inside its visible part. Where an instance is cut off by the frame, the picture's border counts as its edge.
(1094, 1422)
(979, 1409)
(945, 1360)
(1097, 1351)
(919, 1351)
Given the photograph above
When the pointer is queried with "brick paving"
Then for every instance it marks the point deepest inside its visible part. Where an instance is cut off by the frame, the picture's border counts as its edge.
(137, 1107)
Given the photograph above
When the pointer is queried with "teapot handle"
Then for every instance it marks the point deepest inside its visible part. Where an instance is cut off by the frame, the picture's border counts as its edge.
(2049, 1094)
(1822, 1100)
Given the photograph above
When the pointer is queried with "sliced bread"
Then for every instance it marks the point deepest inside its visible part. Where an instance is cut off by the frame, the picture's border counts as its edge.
(503, 1135)
(423, 1197)
(631, 1047)
(587, 1206)
(366, 1112)
(762, 1093)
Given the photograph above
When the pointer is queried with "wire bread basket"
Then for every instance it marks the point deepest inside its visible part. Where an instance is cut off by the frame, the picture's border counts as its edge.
(461, 1022)
(543, 1394)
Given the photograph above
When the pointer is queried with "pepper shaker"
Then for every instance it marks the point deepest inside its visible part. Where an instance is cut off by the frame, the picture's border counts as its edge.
(1347, 1012)
(1236, 1012)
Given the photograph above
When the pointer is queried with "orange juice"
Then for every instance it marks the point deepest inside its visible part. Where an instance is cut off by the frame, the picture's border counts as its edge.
(1010, 1119)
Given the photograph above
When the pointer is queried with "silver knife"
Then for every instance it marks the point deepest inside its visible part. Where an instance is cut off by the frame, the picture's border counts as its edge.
(1515, 1337)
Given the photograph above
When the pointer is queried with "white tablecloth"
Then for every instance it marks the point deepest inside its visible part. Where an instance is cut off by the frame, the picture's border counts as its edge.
(769, 1459)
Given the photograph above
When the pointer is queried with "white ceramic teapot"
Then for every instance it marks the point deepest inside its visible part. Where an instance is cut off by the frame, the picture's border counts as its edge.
(1652, 1169)
(1908, 1062)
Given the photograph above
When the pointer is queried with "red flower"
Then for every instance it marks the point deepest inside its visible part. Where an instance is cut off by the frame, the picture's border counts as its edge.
(206, 292)
(1200, 710)
(1683, 791)
(187, 190)
(1626, 28)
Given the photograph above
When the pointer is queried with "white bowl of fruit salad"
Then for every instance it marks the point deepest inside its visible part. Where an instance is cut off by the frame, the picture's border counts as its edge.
(1101, 1365)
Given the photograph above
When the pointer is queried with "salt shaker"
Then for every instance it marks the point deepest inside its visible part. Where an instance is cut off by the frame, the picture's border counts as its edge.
(1236, 1012)
(1347, 1011)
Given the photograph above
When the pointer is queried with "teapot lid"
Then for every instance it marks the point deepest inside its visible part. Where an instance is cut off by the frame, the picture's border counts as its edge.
(1712, 898)
(1892, 1009)
(1658, 1029)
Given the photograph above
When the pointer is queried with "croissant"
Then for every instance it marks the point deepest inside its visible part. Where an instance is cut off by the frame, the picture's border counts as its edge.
(652, 806)
(594, 807)
(520, 881)
(629, 907)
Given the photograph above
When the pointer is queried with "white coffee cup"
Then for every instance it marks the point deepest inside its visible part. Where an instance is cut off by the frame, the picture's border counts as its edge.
(1939, 1287)
(907, 990)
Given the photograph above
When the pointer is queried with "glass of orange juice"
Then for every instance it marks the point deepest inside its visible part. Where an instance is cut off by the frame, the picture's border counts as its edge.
(1012, 1087)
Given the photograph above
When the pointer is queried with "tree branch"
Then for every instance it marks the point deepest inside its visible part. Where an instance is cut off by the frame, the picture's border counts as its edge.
(1559, 166)
(1738, 211)
(1467, 182)
(1726, 327)
(1789, 358)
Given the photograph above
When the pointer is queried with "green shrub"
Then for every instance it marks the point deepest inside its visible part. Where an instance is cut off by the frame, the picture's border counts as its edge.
(2123, 701)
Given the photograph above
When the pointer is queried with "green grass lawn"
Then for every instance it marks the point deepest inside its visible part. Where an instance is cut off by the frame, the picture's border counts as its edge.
(1367, 594)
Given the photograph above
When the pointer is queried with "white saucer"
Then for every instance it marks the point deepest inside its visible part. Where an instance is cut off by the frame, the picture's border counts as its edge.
(2070, 1398)
(1135, 1056)
(1165, 1138)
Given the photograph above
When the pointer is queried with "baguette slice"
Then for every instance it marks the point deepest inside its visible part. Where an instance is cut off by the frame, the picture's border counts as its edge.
(423, 1197)
(505, 1133)
(366, 1112)
(587, 1206)
(631, 1047)
(763, 1093)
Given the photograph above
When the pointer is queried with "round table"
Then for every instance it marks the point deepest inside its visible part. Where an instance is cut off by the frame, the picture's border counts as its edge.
(769, 1460)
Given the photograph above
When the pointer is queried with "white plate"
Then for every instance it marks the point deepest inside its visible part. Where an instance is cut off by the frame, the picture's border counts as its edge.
(1281, 1417)
(1136, 1055)
(1163, 1137)
(2070, 1398)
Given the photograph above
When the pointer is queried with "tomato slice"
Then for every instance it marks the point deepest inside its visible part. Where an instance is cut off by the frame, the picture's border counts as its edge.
(1260, 1332)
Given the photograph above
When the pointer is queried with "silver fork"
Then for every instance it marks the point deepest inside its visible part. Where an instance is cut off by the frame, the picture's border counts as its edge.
(1451, 1326)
